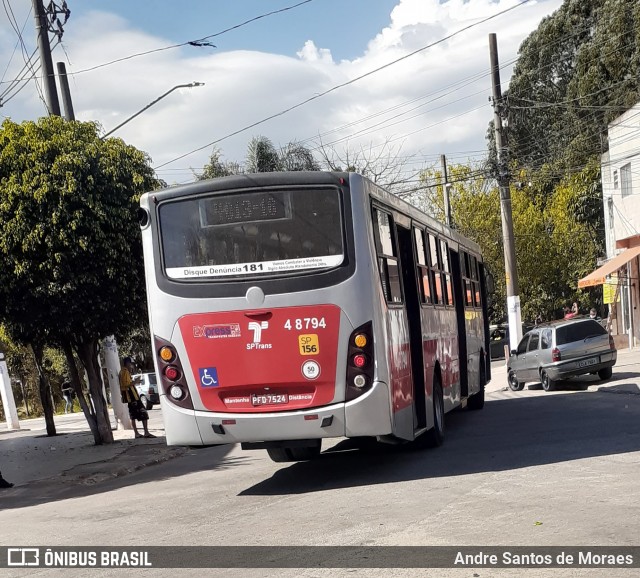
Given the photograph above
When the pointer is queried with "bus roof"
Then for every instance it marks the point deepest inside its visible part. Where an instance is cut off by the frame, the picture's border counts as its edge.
(293, 178)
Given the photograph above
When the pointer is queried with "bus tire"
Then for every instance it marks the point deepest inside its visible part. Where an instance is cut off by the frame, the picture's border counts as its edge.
(295, 454)
(434, 437)
(476, 401)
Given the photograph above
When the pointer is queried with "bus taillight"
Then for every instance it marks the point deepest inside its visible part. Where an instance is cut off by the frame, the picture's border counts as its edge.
(172, 373)
(166, 353)
(172, 379)
(176, 392)
(359, 361)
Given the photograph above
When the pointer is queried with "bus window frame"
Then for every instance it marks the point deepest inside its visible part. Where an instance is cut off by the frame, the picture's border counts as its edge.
(422, 269)
(377, 208)
(303, 280)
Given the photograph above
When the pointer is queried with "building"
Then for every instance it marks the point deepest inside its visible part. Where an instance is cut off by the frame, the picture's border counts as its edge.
(619, 274)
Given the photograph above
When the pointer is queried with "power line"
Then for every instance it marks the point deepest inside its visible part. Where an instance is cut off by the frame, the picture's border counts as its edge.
(17, 44)
(347, 83)
(198, 42)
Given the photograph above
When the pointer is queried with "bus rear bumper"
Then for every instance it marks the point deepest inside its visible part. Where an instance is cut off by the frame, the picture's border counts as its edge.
(367, 415)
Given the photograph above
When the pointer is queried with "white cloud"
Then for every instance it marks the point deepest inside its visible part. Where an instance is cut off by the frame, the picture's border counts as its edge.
(311, 53)
(436, 101)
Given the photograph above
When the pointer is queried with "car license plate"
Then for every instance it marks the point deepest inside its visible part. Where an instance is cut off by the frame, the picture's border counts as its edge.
(588, 362)
(269, 399)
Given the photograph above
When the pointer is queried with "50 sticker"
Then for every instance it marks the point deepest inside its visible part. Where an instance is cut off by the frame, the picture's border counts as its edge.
(305, 323)
(309, 344)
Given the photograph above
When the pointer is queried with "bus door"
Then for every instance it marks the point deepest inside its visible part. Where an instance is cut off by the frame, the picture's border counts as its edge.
(454, 259)
(406, 245)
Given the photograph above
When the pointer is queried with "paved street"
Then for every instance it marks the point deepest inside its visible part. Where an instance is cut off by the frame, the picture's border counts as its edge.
(532, 468)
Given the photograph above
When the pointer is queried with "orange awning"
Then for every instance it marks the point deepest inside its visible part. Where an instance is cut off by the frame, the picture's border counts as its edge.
(599, 276)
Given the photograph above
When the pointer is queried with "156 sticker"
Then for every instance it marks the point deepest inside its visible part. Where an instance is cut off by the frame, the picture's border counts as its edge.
(309, 344)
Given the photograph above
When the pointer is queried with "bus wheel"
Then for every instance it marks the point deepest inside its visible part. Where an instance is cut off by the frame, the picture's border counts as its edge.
(476, 401)
(294, 454)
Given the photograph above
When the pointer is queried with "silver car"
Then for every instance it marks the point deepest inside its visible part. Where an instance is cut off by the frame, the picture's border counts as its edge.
(560, 350)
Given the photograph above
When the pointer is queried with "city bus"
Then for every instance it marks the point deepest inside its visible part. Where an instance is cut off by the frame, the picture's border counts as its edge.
(290, 307)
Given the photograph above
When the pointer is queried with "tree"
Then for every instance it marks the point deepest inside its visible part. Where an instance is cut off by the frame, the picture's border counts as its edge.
(576, 72)
(216, 167)
(383, 164)
(296, 157)
(71, 268)
(262, 157)
(553, 247)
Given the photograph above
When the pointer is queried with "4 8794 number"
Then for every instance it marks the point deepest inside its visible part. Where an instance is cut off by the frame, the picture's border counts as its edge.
(305, 323)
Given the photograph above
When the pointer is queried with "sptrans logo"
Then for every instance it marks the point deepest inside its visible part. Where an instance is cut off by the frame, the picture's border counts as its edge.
(257, 329)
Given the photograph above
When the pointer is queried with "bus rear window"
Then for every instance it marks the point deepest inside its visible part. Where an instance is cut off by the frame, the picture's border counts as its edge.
(254, 233)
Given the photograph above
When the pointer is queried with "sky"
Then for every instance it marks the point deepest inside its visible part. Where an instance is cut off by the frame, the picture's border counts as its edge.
(430, 96)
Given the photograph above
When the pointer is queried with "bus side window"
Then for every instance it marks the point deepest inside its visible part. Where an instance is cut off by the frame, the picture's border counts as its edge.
(435, 266)
(477, 300)
(467, 287)
(387, 252)
(446, 275)
(426, 281)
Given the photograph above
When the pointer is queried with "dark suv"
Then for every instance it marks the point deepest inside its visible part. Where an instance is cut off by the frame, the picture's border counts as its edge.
(560, 350)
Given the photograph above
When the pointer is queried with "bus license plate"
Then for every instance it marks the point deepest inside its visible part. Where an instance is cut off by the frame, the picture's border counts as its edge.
(270, 399)
(588, 362)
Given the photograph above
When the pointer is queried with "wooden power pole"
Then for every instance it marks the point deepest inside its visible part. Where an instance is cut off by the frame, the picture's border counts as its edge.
(511, 269)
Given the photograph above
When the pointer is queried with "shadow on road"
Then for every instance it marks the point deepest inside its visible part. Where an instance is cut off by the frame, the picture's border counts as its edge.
(508, 434)
(119, 465)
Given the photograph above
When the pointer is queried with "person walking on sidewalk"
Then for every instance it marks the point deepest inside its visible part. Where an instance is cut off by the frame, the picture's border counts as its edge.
(67, 393)
(4, 484)
(130, 396)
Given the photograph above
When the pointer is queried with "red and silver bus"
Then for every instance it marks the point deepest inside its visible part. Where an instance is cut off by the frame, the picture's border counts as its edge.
(290, 307)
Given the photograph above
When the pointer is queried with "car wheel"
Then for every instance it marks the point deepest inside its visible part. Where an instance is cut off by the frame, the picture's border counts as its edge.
(605, 373)
(548, 384)
(476, 401)
(514, 384)
(145, 401)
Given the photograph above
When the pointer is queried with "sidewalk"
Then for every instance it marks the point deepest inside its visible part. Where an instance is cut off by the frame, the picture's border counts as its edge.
(28, 455)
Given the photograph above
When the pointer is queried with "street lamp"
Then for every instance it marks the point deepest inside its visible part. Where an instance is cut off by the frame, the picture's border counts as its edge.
(190, 85)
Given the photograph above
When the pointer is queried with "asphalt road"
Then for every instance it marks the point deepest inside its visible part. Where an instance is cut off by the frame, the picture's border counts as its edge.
(531, 469)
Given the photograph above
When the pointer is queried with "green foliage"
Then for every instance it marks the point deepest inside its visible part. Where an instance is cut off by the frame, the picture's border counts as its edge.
(216, 167)
(71, 268)
(554, 248)
(262, 157)
(575, 74)
(70, 251)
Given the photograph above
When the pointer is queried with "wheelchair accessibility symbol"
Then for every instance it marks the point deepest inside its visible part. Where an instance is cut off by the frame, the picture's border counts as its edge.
(208, 376)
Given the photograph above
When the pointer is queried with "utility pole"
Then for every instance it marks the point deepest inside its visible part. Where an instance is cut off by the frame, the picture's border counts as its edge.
(42, 31)
(6, 392)
(446, 185)
(66, 93)
(510, 266)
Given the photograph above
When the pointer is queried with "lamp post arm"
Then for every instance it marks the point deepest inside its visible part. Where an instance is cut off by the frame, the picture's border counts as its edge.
(190, 85)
